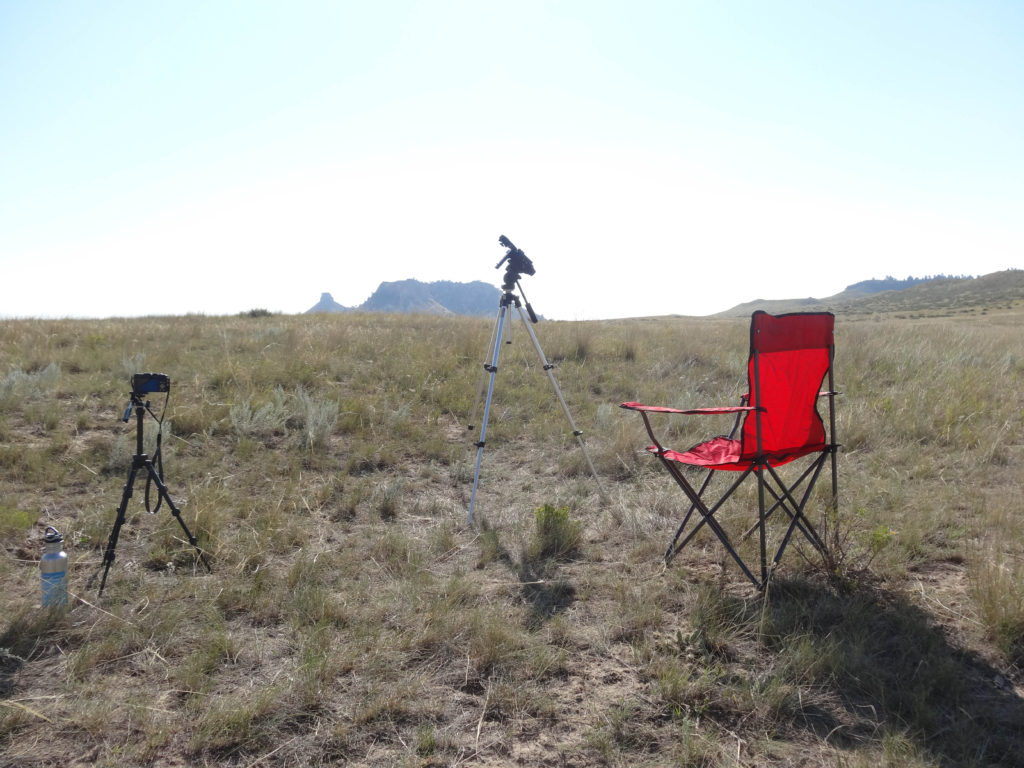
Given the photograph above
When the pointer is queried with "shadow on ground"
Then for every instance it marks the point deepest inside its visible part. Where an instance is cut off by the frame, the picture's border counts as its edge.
(29, 635)
(892, 674)
(543, 591)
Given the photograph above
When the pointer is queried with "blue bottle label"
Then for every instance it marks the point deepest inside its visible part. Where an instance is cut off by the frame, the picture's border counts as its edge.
(55, 590)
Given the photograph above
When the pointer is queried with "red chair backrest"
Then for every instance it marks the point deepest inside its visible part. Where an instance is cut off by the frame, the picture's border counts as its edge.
(790, 356)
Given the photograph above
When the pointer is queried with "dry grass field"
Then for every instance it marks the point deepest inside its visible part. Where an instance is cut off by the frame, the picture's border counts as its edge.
(353, 618)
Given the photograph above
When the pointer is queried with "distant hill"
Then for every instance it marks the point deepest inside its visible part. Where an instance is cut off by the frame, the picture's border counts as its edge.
(937, 295)
(443, 297)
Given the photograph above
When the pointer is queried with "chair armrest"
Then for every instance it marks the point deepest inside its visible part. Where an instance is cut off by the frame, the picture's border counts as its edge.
(689, 411)
(645, 409)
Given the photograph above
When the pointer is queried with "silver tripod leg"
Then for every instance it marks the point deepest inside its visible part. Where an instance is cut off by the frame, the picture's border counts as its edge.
(548, 368)
(492, 369)
(482, 386)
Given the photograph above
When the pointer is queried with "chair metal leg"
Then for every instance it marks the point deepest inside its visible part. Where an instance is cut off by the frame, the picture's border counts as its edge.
(707, 516)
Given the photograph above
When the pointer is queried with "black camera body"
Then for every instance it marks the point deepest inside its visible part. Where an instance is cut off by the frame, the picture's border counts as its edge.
(518, 264)
(143, 383)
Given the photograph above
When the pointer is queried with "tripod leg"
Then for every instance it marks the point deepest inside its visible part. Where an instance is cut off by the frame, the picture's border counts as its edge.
(163, 494)
(493, 369)
(115, 532)
(481, 387)
(548, 368)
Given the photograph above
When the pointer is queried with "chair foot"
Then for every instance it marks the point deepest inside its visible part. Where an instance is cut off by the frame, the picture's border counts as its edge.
(669, 556)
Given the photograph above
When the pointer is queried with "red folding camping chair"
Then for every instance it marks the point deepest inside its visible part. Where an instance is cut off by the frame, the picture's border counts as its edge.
(778, 421)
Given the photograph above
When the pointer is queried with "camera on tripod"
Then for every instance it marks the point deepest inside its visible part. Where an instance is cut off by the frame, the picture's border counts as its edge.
(143, 383)
(518, 263)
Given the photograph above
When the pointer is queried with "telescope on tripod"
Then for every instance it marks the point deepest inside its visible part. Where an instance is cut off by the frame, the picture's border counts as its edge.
(518, 264)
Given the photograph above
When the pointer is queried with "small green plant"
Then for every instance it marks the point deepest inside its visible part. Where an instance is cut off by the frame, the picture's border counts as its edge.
(426, 740)
(15, 521)
(556, 535)
(880, 538)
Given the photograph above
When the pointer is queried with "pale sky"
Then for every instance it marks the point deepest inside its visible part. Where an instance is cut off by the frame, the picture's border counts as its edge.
(651, 158)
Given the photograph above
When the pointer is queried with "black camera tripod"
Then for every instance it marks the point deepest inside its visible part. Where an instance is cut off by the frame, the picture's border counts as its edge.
(518, 263)
(140, 461)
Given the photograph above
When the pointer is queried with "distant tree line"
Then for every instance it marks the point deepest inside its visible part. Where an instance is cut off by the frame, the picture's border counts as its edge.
(890, 283)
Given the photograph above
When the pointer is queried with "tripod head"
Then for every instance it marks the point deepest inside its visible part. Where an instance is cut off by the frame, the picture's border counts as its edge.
(518, 263)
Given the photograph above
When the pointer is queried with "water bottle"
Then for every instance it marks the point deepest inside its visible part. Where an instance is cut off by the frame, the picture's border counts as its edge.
(54, 568)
